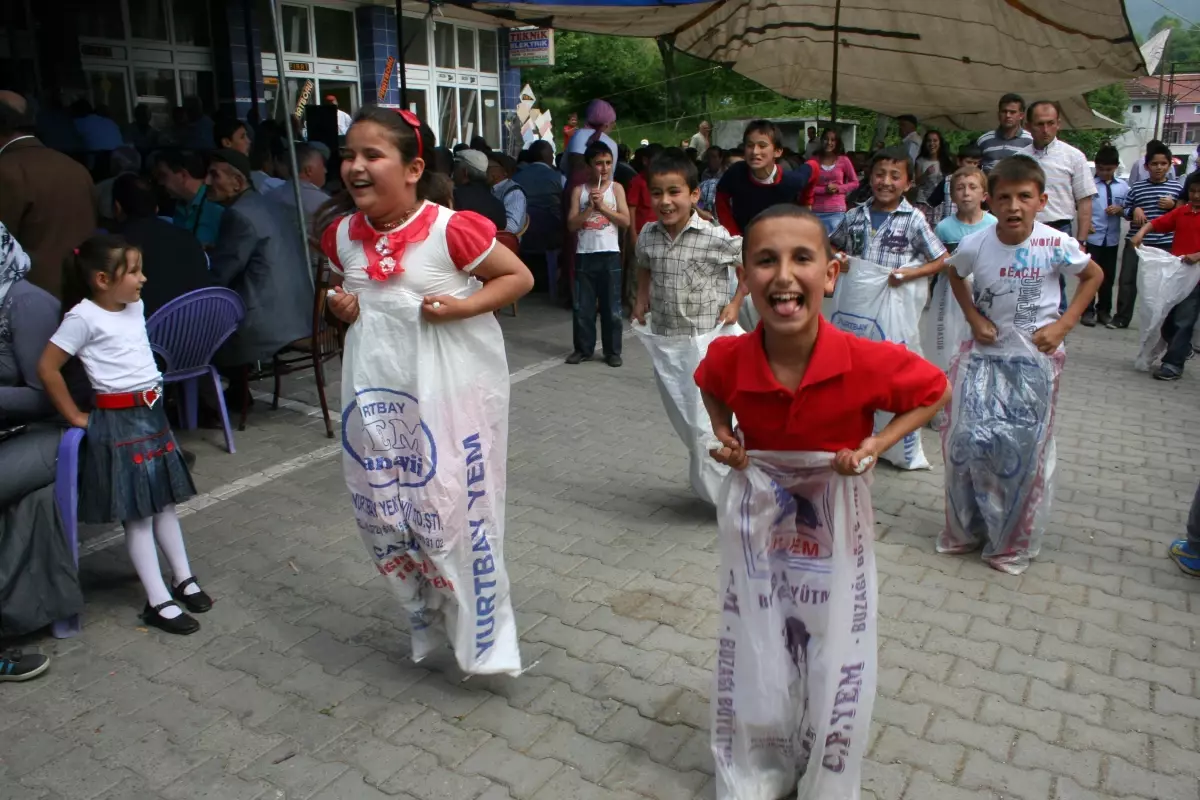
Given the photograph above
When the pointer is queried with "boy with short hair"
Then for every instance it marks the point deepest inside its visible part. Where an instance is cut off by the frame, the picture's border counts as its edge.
(1147, 201)
(683, 262)
(941, 199)
(995, 496)
(968, 191)
(1105, 239)
(806, 393)
(888, 231)
(762, 180)
(1184, 224)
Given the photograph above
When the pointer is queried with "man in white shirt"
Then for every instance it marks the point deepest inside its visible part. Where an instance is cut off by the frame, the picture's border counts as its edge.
(700, 139)
(912, 140)
(344, 119)
(1070, 184)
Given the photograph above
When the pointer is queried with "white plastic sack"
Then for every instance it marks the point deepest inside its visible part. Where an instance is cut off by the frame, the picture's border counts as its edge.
(944, 328)
(999, 451)
(675, 360)
(425, 442)
(1163, 281)
(796, 662)
(865, 304)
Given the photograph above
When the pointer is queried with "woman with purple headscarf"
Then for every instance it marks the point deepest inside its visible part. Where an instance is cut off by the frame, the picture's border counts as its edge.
(600, 119)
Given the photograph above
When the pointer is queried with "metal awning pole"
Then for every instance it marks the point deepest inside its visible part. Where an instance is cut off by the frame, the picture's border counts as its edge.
(400, 48)
(291, 145)
(833, 95)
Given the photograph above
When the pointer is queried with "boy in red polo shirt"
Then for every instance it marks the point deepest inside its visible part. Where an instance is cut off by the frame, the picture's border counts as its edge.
(796, 668)
(1184, 222)
(797, 382)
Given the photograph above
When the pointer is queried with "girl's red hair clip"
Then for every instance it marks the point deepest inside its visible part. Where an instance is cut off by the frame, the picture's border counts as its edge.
(415, 123)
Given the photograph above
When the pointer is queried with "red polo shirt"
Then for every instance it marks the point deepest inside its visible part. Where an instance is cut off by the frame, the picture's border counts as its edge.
(848, 379)
(1185, 222)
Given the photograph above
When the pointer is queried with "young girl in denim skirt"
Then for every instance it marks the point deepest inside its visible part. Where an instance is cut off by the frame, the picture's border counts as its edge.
(133, 470)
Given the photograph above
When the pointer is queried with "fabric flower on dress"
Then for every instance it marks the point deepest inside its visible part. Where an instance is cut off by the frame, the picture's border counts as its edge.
(384, 249)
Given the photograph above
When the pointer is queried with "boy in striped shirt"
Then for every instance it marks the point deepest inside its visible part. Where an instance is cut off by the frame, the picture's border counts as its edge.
(1147, 201)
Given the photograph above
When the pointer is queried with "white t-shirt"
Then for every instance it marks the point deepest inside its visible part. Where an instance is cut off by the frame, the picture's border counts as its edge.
(112, 345)
(1016, 286)
(579, 142)
(598, 234)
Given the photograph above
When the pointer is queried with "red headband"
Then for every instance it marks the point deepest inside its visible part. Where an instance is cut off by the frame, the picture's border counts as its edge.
(415, 123)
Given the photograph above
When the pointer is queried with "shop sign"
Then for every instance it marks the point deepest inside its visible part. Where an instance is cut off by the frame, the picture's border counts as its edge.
(531, 47)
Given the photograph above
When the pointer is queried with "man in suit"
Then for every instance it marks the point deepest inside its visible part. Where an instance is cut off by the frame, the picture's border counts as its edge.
(172, 259)
(260, 256)
(46, 198)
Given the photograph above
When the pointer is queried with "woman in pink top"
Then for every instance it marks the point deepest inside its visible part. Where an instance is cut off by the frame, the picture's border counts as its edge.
(835, 179)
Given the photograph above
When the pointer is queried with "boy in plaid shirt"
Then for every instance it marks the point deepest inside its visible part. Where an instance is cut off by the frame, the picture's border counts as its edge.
(684, 262)
(888, 231)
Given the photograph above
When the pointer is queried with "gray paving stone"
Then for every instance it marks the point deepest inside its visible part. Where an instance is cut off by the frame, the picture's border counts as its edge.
(523, 775)
(76, 776)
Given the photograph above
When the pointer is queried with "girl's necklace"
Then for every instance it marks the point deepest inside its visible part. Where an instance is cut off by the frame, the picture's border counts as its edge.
(391, 226)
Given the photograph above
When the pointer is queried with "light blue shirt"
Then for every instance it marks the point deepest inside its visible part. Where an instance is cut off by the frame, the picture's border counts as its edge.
(952, 230)
(1106, 230)
(515, 204)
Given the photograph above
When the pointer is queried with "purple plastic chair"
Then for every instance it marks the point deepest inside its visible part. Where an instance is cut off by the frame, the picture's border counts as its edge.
(186, 334)
(66, 497)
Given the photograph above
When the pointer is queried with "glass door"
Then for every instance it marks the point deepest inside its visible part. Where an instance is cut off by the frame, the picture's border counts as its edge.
(448, 133)
(468, 120)
(109, 90)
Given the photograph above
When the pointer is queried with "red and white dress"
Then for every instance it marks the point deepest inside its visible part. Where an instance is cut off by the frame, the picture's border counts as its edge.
(425, 430)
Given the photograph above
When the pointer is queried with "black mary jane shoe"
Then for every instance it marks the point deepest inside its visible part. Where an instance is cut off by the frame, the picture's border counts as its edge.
(197, 602)
(182, 625)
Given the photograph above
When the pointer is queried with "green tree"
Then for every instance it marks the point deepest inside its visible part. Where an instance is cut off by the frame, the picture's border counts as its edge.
(1183, 45)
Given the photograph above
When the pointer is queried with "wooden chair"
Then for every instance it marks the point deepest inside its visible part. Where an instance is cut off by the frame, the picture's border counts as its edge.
(326, 342)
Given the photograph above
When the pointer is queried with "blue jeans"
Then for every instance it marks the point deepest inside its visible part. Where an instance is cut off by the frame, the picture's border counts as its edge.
(1177, 329)
(831, 219)
(597, 278)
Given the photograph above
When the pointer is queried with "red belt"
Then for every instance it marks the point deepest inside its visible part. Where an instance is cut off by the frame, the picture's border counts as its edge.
(112, 402)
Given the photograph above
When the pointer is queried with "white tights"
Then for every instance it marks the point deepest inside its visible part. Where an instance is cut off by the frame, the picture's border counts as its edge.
(140, 535)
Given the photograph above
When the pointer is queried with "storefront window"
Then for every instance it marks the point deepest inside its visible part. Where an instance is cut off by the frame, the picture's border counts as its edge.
(191, 22)
(466, 48)
(155, 86)
(489, 52)
(266, 29)
(148, 20)
(468, 127)
(109, 94)
(101, 18)
(295, 30)
(443, 44)
(416, 38)
(199, 83)
(335, 33)
(491, 117)
(447, 116)
(417, 103)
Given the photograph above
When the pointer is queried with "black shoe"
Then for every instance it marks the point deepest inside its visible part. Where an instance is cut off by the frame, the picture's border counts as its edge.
(1088, 320)
(1168, 372)
(197, 602)
(182, 625)
(576, 358)
(1104, 319)
(18, 666)
(613, 361)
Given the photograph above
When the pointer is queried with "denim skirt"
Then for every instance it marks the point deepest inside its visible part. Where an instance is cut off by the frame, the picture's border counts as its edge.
(132, 466)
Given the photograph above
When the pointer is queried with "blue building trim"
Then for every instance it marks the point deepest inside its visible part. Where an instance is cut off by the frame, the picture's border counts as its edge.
(377, 41)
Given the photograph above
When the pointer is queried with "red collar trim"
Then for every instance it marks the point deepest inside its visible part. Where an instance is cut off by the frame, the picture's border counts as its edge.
(384, 250)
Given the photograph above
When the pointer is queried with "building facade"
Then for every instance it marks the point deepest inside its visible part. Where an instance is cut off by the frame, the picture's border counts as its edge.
(1176, 121)
(120, 53)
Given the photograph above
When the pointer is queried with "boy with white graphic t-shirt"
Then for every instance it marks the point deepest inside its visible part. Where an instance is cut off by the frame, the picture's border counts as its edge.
(999, 441)
(1017, 262)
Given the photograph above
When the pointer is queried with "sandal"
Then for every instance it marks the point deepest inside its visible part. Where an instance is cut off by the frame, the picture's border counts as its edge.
(182, 625)
(197, 602)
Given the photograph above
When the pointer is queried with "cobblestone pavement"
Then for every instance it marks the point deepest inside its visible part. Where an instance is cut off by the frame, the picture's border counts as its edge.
(1075, 681)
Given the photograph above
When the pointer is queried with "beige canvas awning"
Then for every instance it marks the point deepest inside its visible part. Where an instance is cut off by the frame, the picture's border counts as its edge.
(936, 60)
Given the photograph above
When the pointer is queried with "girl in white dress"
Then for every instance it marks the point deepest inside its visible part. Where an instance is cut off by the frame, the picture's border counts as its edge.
(425, 390)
